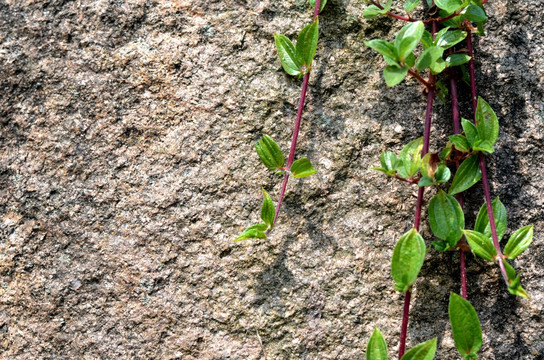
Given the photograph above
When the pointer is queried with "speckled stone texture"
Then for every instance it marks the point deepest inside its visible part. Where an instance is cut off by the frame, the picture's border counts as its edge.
(127, 168)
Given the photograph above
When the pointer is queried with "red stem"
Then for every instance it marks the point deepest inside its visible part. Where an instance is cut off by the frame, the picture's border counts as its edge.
(485, 182)
(460, 197)
(420, 79)
(426, 139)
(291, 157)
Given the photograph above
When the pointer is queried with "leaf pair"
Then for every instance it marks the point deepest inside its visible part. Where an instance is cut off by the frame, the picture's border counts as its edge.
(407, 164)
(398, 54)
(432, 171)
(297, 61)
(373, 11)
(483, 135)
(272, 157)
(377, 349)
(433, 49)
(258, 231)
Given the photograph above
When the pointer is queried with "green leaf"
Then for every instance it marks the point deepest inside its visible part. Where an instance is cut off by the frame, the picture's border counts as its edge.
(438, 66)
(407, 38)
(428, 57)
(446, 218)
(287, 54)
(321, 5)
(407, 260)
(388, 161)
(481, 245)
(373, 11)
(423, 351)
(410, 5)
(442, 174)
(256, 231)
(460, 142)
(467, 175)
(410, 157)
(449, 5)
(475, 14)
(307, 43)
(457, 59)
(451, 38)
(270, 153)
(425, 181)
(515, 288)
(499, 214)
(470, 131)
(440, 245)
(302, 168)
(465, 327)
(377, 347)
(394, 75)
(484, 146)
(267, 210)
(510, 271)
(386, 49)
(519, 242)
(486, 122)
(427, 40)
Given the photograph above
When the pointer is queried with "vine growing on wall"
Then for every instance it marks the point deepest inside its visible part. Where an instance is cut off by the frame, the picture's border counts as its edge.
(440, 60)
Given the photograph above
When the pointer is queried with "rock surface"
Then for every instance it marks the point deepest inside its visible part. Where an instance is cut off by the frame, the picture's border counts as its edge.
(127, 168)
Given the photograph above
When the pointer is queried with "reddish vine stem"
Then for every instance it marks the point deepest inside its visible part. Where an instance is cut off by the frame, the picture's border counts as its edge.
(409, 19)
(485, 182)
(417, 221)
(460, 197)
(296, 130)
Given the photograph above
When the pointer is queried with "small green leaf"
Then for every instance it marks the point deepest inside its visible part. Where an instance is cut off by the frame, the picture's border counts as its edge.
(407, 38)
(440, 245)
(438, 66)
(519, 242)
(467, 175)
(394, 75)
(307, 43)
(484, 146)
(486, 122)
(465, 327)
(302, 168)
(427, 40)
(428, 57)
(425, 181)
(470, 131)
(267, 210)
(423, 351)
(451, 38)
(481, 245)
(460, 142)
(287, 54)
(377, 347)
(510, 271)
(321, 5)
(457, 59)
(270, 153)
(410, 158)
(410, 5)
(388, 161)
(442, 174)
(515, 288)
(446, 218)
(256, 231)
(475, 14)
(407, 260)
(372, 12)
(386, 49)
(449, 5)
(499, 214)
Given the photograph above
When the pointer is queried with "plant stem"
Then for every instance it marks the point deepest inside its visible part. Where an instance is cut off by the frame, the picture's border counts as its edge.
(291, 157)
(460, 196)
(426, 140)
(485, 182)
(420, 79)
